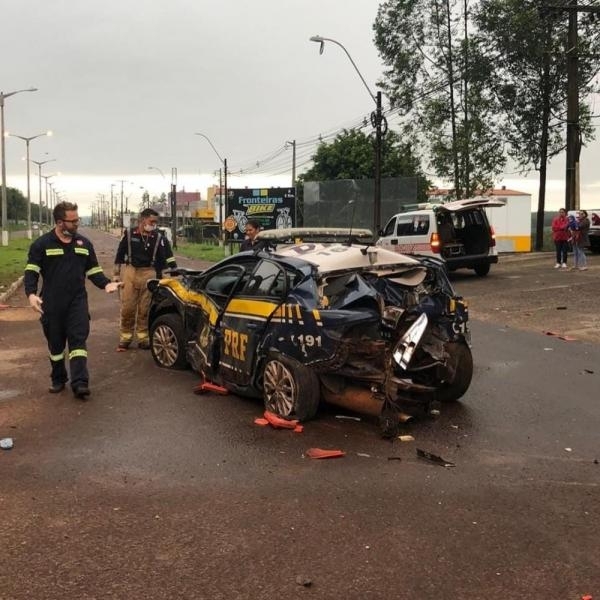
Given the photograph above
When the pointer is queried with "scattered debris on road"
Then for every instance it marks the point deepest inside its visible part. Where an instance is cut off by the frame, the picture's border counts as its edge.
(434, 458)
(6, 443)
(320, 453)
(303, 581)
(207, 386)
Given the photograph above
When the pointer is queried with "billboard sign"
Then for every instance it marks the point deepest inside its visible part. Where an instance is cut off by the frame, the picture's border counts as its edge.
(273, 208)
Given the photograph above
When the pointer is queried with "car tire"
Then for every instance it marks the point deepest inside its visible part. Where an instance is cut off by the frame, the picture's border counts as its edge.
(167, 342)
(482, 270)
(461, 361)
(290, 389)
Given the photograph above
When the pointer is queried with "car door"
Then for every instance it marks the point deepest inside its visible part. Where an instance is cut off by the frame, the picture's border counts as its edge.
(212, 295)
(246, 318)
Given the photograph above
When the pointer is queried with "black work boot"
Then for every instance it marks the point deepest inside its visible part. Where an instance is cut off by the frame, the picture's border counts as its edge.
(81, 392)
(56, 387)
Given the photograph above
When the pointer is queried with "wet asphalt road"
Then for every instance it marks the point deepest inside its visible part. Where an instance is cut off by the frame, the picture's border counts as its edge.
(149, 491)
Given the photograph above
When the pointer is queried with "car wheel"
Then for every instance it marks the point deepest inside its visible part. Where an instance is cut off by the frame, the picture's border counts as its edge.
(167, 342)
(461, 362)
(290, 389)
(482, 270)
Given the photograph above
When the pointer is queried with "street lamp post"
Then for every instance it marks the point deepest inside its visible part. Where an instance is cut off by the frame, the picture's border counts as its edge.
(47, 205)
(224, 163)
(379, 123)
(27, 140)
(161, 173)
(39, 163)
(174, 207)
(3, 162)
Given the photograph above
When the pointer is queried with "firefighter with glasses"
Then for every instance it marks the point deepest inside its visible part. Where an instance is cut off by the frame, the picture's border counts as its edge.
(64, 259)
(143, 253)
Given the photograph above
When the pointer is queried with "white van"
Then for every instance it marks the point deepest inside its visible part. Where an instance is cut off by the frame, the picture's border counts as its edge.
(458, 232)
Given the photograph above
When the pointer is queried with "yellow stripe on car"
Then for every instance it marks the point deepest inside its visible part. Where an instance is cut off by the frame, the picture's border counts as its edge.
(189, 297)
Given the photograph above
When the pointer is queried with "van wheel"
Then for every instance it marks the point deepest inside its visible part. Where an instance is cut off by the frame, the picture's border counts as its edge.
(482, 270)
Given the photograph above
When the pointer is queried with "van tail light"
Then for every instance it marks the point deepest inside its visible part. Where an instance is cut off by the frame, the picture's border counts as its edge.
(492, 236)
(435, 244)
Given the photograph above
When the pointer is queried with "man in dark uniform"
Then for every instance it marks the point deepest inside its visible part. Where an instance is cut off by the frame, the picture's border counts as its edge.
(64, 259)
(145, 252)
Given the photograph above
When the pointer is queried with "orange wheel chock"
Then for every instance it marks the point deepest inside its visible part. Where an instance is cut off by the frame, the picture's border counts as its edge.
(207, 386)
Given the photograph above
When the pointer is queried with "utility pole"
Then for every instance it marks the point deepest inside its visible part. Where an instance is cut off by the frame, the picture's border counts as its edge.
(112, 210)
(293, 145)
(573, 137)
(377, 122)
(174, 206)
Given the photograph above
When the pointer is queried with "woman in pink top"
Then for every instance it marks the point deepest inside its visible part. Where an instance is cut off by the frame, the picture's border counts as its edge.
(560, 236)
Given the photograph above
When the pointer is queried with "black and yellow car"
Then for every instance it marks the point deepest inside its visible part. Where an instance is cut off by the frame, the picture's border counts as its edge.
(318, 319)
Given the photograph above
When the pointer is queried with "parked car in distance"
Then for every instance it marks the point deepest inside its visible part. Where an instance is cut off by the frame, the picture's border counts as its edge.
(459, 232)
(594, 232)
(334, 319)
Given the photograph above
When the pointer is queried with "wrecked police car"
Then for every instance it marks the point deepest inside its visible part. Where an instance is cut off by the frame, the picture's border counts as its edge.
(318, 319)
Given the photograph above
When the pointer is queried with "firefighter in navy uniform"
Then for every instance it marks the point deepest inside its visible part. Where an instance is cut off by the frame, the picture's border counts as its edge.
(145, 252)
(64, 259)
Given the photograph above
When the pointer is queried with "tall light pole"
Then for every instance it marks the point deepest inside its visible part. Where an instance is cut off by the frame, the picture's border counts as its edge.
(3, 161)
(46, 178)
(122, 181)
(293, 145)
(224, 163)
(174, 207)
(27, 141)
(39, 163)
(161, 173)
(379, 123)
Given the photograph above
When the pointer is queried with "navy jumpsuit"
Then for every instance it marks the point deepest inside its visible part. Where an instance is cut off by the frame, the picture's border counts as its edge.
(64, 267)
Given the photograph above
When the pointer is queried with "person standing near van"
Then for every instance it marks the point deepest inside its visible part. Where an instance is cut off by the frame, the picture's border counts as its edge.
(145, 252)
(583, 240)
(560, 237)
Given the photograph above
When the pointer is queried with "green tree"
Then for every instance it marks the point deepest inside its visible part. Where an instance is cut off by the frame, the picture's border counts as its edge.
(437, 77)
(16, 205)
(526, 41)
(351, 156)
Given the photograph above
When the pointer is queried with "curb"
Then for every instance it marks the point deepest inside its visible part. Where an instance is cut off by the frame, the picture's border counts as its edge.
(11, 290)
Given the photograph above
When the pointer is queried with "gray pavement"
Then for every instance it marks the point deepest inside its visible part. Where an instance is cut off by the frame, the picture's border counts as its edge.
(149, 491)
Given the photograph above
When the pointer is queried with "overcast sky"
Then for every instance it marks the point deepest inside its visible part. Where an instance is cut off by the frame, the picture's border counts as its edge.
(125, 84)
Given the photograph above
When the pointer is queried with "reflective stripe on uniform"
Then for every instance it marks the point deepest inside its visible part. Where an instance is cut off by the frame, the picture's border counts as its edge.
(32, 267)
(171, 260)
(83, 251)
(54, 251)
(57, 357)
(94, 271)
(79, 353)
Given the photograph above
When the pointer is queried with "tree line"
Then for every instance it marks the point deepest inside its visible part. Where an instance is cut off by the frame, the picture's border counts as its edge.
(16, 208)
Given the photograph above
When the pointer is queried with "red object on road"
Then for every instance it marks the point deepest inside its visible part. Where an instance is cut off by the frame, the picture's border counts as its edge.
(320, 453)
(207, 386)
(279, 423)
